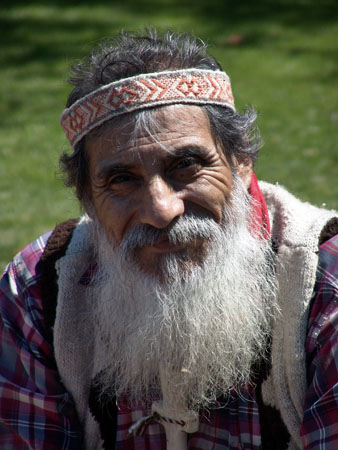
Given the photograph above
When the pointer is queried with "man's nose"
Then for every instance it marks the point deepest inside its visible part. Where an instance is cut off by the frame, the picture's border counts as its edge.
(160, 204)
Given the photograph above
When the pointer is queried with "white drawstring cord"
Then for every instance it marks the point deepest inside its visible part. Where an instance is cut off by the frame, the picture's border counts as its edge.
(176, 419)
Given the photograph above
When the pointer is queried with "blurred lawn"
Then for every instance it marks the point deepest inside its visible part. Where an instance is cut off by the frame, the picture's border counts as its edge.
(282, 57)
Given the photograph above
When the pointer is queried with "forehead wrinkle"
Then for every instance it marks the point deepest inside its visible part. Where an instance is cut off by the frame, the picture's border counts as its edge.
(151, 125)
(133, 143)
(133, 151)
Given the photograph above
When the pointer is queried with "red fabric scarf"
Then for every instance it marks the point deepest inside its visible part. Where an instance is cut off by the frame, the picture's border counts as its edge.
(260, 223)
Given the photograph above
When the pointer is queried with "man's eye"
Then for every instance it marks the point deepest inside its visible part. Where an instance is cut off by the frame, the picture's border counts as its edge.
(121, 178)
(187, 162)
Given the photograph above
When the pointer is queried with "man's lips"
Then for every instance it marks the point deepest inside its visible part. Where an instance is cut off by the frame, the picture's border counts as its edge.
(164, 245)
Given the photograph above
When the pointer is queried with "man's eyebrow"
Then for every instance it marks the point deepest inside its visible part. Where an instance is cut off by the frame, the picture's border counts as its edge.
(109, 169)
(189, 150)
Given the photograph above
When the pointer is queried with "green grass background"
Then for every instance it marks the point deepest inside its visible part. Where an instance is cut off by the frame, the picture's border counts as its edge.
(285, 65)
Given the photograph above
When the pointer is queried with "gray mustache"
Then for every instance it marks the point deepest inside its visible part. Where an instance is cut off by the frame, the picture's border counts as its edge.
(184, 230)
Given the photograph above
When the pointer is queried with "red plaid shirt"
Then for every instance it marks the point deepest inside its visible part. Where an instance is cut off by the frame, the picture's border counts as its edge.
(37, 412)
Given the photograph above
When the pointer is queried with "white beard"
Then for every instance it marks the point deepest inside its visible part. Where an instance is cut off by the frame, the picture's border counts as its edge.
(212, 319)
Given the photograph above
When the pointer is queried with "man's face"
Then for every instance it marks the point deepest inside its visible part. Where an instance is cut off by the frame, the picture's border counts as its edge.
(155, 179)
(170, 306)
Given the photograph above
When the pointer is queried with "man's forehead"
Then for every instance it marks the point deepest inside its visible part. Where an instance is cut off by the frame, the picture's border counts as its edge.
(166, 130)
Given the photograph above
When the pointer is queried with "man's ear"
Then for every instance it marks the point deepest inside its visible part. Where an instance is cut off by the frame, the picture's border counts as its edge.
(244, 170)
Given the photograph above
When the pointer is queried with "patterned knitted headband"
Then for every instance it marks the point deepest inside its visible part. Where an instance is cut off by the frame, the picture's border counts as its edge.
(188, 86)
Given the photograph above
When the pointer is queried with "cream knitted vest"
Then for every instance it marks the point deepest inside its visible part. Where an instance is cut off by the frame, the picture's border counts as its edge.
(295, 226)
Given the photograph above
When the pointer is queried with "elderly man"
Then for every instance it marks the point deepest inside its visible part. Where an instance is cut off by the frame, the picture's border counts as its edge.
(190, 307)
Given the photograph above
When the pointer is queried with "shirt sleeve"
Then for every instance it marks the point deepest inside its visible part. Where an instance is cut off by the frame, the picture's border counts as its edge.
(320, 423)
(36, 412)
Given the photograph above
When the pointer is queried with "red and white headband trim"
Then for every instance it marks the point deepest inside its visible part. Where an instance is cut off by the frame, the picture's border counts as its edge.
(188, 86)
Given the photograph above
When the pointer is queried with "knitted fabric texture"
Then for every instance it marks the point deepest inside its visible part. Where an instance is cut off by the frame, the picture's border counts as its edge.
(295, 226)
(189, 86)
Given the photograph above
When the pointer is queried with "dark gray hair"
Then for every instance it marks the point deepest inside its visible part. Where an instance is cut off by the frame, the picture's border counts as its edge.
(129, 54)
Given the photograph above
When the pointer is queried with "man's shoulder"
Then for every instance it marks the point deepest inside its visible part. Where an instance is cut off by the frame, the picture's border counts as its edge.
(20, 292)
(298, 223)
(279, 197)
(25, 267)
